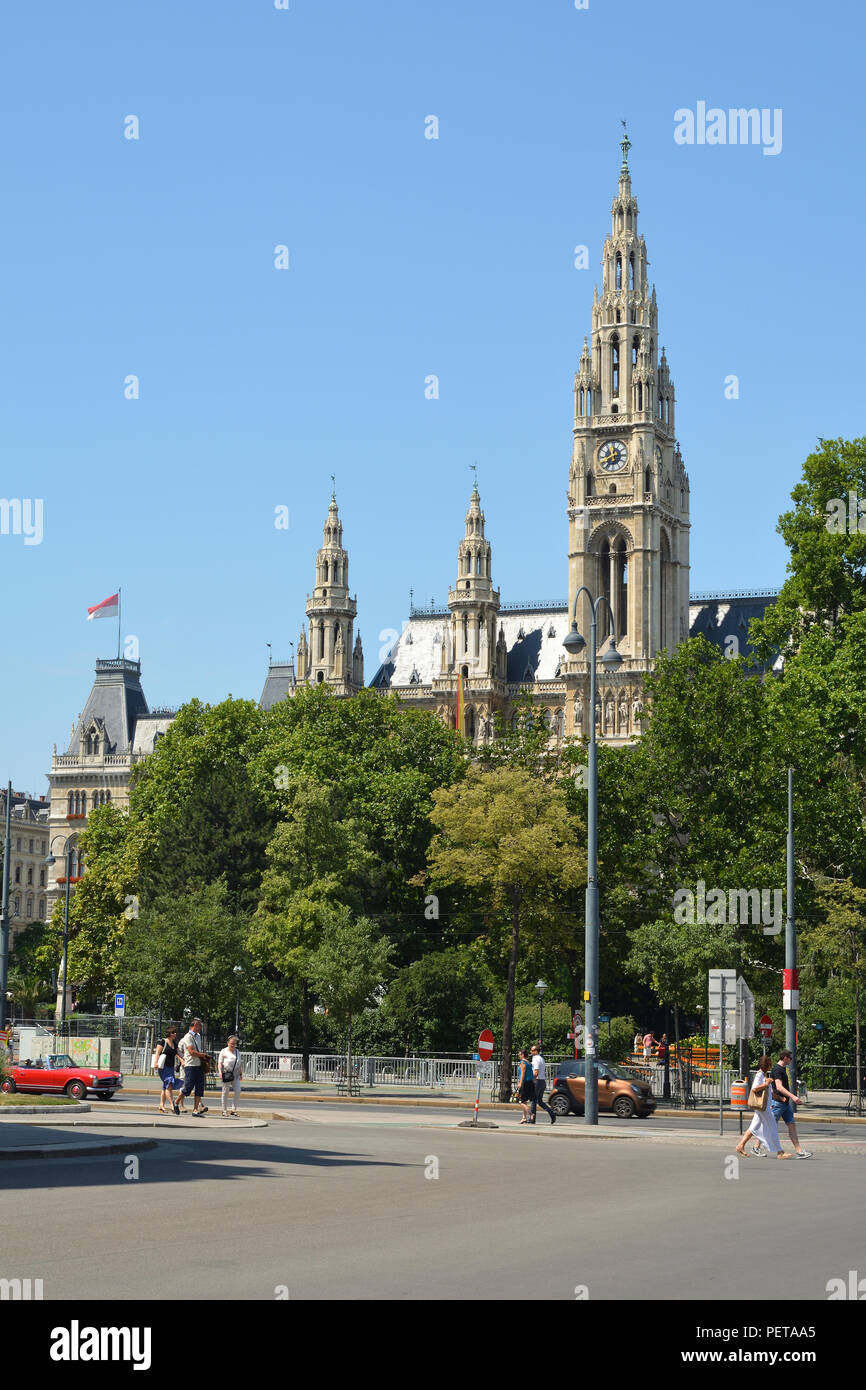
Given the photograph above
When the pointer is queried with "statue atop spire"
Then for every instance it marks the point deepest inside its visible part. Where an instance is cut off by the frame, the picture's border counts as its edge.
(625, 146)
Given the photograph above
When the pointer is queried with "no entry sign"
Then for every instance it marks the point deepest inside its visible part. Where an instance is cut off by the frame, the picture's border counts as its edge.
(485, 1045)
(766, 1026)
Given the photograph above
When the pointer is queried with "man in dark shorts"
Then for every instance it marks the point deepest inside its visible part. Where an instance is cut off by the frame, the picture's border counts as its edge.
(190, 1049)
(783, 1101)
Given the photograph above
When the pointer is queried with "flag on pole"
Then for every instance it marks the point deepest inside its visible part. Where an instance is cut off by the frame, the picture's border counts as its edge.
(108, 608)
(458, 723)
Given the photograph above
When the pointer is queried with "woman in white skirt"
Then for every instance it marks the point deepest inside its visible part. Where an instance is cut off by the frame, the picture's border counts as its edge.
(229, 1064)
(763, 1127)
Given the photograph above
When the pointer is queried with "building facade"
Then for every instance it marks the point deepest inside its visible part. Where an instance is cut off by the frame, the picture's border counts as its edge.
(114, 732)
(627, 514)
(28, 872)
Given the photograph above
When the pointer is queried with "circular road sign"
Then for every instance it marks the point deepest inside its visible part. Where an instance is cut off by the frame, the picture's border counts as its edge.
(766, 1026)
(485, 1045)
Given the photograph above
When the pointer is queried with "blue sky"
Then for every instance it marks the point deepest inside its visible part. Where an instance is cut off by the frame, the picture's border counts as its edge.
(408, 257)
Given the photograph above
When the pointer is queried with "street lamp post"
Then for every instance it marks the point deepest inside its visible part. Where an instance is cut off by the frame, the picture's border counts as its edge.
(819, 1028)
(237, 971)
(540, 988)
(51, 860)
(4, 906)
(574, 644)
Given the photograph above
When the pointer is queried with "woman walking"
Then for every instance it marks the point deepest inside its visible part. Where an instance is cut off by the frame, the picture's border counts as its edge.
(525, 1084)
(166, 1052)
(763, 1127)
(229, 1064)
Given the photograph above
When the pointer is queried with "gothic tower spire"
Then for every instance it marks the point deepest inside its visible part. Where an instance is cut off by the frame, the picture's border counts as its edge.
(628, 490)
(331, 614)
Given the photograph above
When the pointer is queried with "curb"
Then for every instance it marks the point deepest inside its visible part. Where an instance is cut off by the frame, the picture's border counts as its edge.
(85, 1150)
(82, 1106)
(434, 1103)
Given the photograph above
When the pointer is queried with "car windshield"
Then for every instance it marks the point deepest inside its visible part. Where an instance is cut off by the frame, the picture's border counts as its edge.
(59, 1059)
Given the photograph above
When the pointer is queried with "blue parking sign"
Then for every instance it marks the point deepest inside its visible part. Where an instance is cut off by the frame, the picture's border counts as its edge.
(119, 1005)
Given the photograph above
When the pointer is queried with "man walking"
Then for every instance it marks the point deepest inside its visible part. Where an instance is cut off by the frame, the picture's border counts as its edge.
(783, 1101)
(194, 1072)
(539, 1076)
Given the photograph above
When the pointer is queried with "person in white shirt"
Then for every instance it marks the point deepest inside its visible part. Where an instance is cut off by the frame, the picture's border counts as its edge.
(229, 1064)
(539, 1072)
(190, 1049)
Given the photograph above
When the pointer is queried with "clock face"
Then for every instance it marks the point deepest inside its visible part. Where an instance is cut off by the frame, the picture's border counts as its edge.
(612, 455)
(658, 456)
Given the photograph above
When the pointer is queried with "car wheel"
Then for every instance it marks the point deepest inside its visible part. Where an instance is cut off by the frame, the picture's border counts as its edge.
(7, 1086)
(559, 1103)
(77, 1090)
(623, 1107)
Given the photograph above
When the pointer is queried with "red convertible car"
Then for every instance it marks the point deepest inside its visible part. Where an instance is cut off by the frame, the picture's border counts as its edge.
(58, 1074)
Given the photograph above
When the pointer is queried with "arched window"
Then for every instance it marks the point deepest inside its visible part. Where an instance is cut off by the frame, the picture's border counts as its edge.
(559, 723)
(470, 723)
(324, 571)
(614, 364)
(612, 488)
(631, 271)
(30, 874)
(41, 907)
(465, 633)
(321, 643)
(639, 395)
(477, 564)
(635, 347)
(647, 481)
(29, 907)
(618, 271)
(589, 484)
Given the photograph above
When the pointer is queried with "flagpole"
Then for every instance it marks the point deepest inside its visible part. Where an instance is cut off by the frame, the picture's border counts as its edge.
(118, 622)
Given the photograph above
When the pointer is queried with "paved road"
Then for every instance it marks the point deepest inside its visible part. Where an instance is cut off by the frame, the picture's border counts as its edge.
(335, 1205)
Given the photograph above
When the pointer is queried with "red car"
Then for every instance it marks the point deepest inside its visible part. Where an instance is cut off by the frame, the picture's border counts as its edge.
(57, 1074)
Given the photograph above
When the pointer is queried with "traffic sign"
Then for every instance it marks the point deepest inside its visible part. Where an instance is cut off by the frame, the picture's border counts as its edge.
(745, 1010)
(766, 1026)
(119, 1005)
(485, 1045)
(486, 1069)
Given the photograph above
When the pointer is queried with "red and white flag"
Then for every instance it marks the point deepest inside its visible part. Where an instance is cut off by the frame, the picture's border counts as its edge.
(108, 608)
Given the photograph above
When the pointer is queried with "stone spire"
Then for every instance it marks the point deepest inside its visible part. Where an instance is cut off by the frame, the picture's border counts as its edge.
(474, 603)
(331, 613)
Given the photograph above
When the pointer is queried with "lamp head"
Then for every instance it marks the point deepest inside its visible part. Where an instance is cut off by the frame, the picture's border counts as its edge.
(574, 643)
(611, 661)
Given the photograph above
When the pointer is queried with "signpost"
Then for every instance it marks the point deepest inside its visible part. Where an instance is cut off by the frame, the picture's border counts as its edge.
(119, 1005)
(485, 1052)
(766, 1027)
(723, 1022)
(577, 1029)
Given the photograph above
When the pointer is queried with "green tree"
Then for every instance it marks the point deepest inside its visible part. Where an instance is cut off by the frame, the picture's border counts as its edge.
(509, 840)
(387, 760)
(827, 567)
(315, 861)
(103, 903)
(835, 944)
(181, 952)
(349, 968)
(439, 1003)
(197, 812)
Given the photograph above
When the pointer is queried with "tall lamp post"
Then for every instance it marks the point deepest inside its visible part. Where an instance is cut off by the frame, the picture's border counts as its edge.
(540, 988)
(819, 1028)
(50, 861)
(237, 971)
(574, 644)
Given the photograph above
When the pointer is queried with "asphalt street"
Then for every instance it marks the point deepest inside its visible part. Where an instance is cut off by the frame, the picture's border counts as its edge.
(337, 1202)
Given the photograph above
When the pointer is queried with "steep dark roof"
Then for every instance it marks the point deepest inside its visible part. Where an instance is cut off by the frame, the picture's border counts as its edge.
(117, 700)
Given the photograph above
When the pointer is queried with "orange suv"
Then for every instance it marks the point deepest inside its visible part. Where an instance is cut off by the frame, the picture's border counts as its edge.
(621, 1091)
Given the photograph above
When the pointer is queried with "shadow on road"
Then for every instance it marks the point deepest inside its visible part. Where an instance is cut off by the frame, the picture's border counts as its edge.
(178, 1159)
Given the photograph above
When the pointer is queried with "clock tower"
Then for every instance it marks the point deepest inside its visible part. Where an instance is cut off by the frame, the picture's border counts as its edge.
(628, 496)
